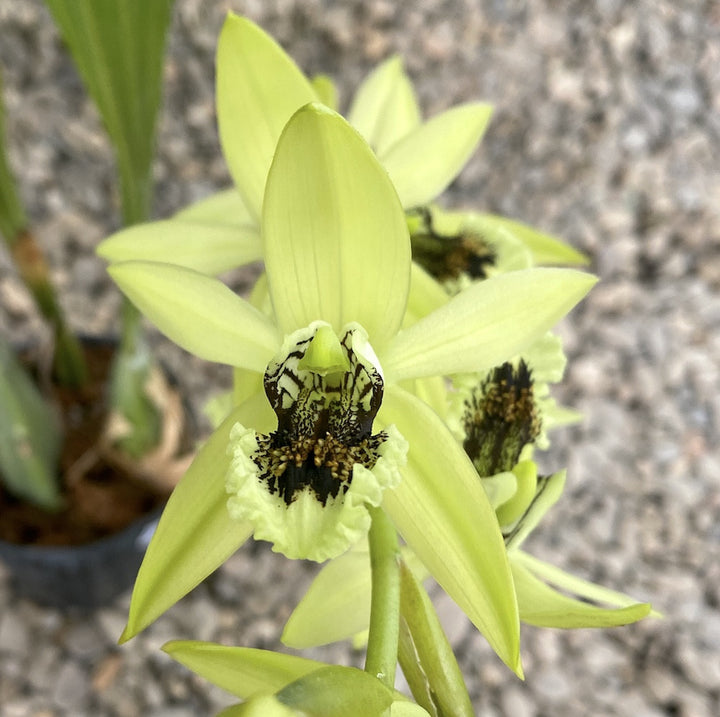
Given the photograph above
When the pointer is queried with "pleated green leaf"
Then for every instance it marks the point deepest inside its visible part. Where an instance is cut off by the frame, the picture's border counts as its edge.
(195, 534)
(207, 248)
(118, 48)
(426, 657)
(544, 606)
(259, 87)
(384, 108)
(442, 512)
(336, 606)
(241, 671)
(199, 313)
(545, 249)
(486, 324)
(423, 163)
(30, 436)
(336, 241)
(225, 207)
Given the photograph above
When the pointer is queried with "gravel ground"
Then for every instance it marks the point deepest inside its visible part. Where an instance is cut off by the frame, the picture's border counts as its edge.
(607, 132)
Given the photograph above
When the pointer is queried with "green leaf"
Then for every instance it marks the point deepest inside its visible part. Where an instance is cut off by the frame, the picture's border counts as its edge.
(260, 706)
(207, 248)
(195, 534)
(118, 49)
(225, 207)
(241, 671)
(258, 89)
(385, 109)
(12, 212)
(488, 323)
(331, 691)
(545, 249)
(543, 606)
(442, 512)
(336, 606)
(199, 313)
(424, 162)
(30, 437)
(426, 658)
(336, 242)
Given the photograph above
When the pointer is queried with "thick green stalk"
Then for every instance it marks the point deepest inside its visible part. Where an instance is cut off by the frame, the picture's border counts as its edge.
(382, 649)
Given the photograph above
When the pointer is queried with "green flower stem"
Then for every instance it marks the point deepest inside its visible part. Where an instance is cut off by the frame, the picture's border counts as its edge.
(382, 649)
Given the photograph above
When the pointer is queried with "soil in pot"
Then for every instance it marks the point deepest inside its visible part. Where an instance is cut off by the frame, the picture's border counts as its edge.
(104, 496)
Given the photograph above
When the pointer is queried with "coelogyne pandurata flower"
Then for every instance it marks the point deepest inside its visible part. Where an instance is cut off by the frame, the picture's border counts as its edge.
(335, 361)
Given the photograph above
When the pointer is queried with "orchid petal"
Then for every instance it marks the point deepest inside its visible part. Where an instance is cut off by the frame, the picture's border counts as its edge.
(424, 162)
(336, 242)
(572, 584)
(326, 91)
(258, 89)
(544, 606)
(385, 108)
(199, 313)
(336, 606)
(545, 249)
(195, 534)
(207, 248)
(241, 671)
(488, 323)
(442, 512)
(225, 207)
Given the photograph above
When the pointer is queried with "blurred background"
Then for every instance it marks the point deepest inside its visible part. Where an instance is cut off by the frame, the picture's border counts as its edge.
(606, 133)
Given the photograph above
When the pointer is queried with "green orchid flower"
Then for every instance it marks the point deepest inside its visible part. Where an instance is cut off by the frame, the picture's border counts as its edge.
(259, 87)
(338, 265)
(498, 420)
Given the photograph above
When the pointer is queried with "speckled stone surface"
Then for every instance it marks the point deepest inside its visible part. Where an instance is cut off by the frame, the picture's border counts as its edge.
(607, 133)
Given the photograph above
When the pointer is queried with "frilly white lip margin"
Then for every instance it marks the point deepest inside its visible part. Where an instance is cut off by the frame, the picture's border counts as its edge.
(307, 486)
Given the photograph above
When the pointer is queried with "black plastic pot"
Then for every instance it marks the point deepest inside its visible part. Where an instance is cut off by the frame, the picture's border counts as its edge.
(84, 576)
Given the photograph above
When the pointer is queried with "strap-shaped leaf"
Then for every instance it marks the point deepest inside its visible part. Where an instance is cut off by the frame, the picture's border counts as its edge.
(12, 212)
(195, 534)
(118, 48)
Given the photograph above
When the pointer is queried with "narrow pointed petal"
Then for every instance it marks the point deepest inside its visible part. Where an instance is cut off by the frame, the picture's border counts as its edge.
(336, 241)
(326, 91)
(572, 584)
(423, 163)
(225, 207)
(545, 249)
(385, 109)
(195, 534)
(199, 313)
(544, 606)
(442, 512)
(425, 295)
(241, 671)
(258, 89)
(336, 606)
(486, 324)
(207, 248)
